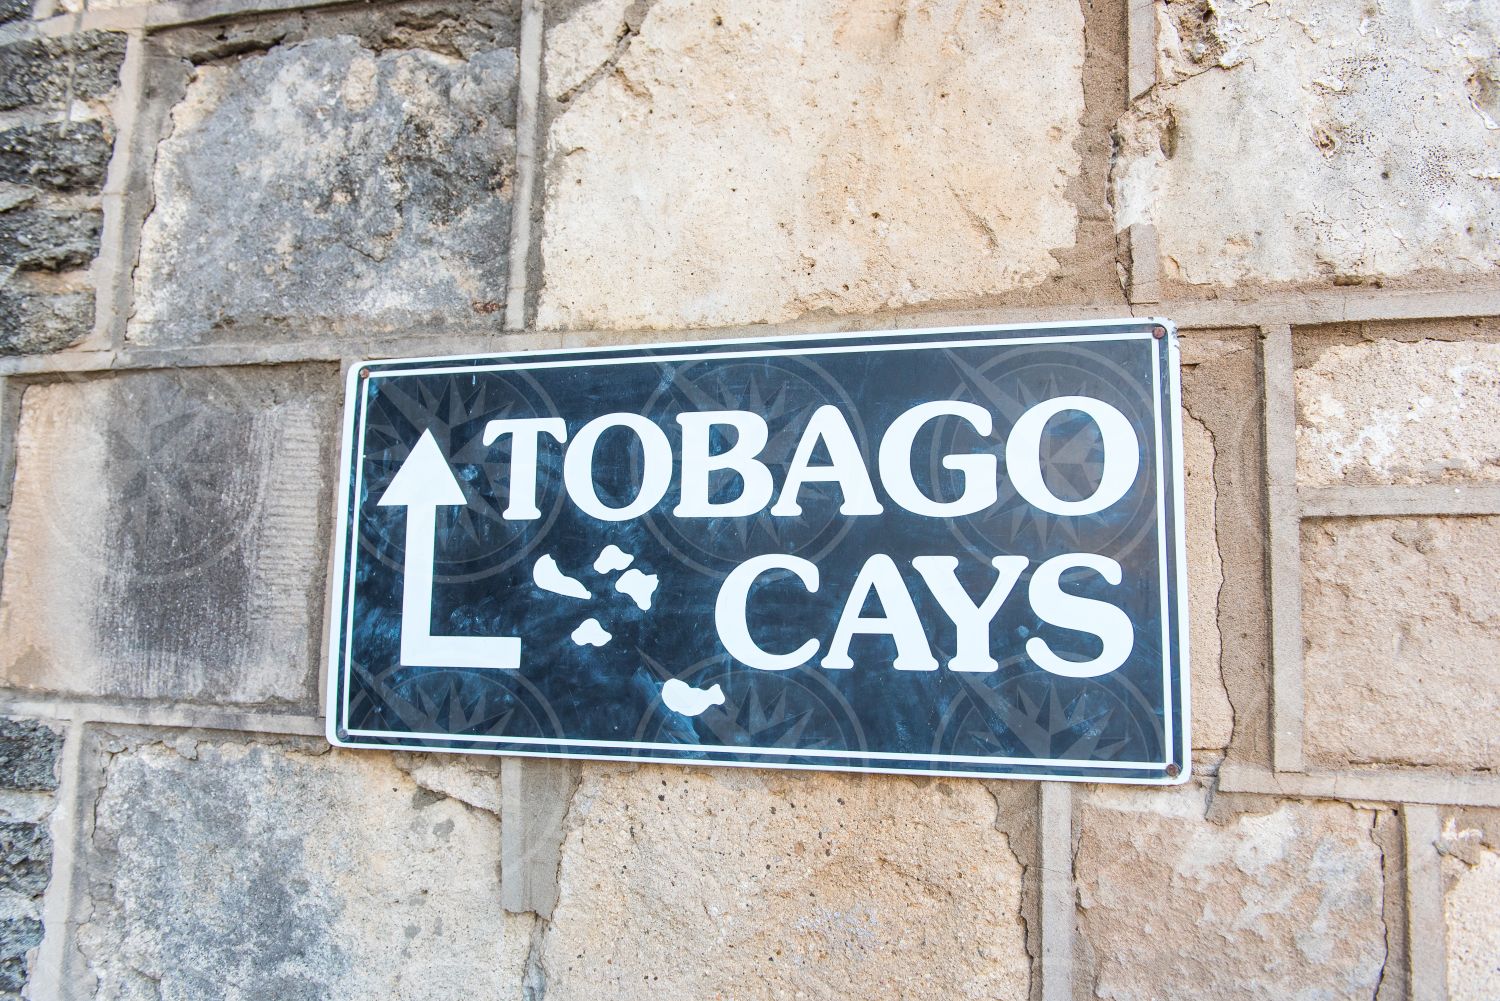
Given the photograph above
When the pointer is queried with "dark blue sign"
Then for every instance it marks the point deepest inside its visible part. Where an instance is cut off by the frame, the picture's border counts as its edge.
(940, 551)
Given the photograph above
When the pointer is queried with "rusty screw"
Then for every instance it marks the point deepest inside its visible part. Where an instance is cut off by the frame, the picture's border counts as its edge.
(364, 373)
(1158, 332)
(1173, 769)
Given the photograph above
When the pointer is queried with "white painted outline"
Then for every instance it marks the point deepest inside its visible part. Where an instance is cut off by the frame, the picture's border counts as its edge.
(341, 627)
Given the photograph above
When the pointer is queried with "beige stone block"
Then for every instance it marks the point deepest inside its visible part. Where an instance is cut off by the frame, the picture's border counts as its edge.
(749, 163)
(1399, 412)
(1471, 912)
(165, 536)
(1212, 715)
(711, 883)
(1402, 627)
(1314, 140)
(1285, 904)
(242, 871)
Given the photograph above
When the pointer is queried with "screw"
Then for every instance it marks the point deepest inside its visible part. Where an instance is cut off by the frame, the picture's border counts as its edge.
(364, 373)
(1173, 769)
(1158, 332)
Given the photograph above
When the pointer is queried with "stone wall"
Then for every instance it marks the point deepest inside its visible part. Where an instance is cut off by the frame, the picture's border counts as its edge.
(210, 209)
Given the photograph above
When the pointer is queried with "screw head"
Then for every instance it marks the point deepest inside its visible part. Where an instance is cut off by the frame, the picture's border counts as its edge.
(1158, 332)
(1173, 770)
(364, 373)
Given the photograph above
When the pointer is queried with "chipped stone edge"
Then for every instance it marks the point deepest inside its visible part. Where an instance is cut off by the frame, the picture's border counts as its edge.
(1058, 896)
(1373, 786)
(1284, 548)
(115, 263)
(1426, 930)
(45, 978)
(536, 795)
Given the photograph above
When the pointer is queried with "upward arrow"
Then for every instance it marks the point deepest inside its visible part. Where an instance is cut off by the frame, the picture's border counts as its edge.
(423, 484)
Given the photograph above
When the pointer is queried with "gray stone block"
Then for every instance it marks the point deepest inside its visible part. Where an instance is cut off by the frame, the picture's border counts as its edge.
(378, 198)
(14, 10)
(168, 536)
(33, 321)
(25, 857)
(65, 157)
(40, 239)
(231, 870)
(18, 935)
(28, 755)
(45, 72)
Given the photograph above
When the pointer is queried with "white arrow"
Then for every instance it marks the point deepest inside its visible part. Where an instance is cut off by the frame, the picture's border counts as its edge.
(423, 484)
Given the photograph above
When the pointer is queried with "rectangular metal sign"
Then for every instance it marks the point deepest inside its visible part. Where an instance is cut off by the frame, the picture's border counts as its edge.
(941, 551)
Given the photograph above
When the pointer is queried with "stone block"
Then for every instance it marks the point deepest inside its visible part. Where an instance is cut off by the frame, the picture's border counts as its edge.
(19, 934)
(66, 157)
(28, 752)
(52, 72)
(1471, 911)
(28, 755)
(375, 198)
(730, 882)
(34, 319)
(219, 869)
(168, 536)
(710, 165)
(1389, 411)
(1402, 629)
(48, 239)
(1212, 715)
(25, 858)
(1175, 906)
(1315, 142)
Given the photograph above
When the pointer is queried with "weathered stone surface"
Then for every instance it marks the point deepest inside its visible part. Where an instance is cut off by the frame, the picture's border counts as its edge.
(713, 165)
(1402, 624)
(28, 752)
(14, 10)
(164, 535)
(68, 157)
(244, 871)
(1393, 412)
(25, 857)
(42, 234)
(28, 755)
(47, 72)
(716, 883)
(374, 197)
(1471, 909)
(1285, 904)
(33, 320)
(38, 239)
(1314, 141)
(19, 934)
(1212, 716)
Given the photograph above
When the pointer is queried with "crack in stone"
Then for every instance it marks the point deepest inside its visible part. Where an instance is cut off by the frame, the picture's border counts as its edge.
(635, 17)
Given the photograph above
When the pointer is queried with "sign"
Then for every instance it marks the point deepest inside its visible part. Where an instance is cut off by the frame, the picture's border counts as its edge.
(939, 551)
